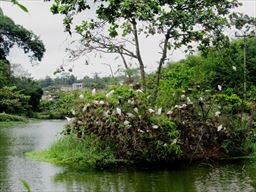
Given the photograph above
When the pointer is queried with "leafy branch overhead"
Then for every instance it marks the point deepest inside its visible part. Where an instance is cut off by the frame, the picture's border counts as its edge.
(12, 34)
(22, 7)
(178, 23)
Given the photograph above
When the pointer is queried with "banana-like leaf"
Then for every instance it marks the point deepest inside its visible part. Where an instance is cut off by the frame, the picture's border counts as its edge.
(15, 2)
(26, 185)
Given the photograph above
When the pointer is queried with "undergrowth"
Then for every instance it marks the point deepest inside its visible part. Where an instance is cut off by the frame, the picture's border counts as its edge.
(76, 153)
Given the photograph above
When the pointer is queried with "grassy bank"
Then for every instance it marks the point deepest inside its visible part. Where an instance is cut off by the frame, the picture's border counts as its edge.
(7, 120)
(76, 153)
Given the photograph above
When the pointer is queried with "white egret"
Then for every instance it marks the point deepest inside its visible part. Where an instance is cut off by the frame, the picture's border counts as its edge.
(174, 141)
(110, 93)
(106, 113)
(119, 111)
(70, 119)
(140, 130)
(169, 112)
(81, 96)
(189, 101)
(217, 113)
(101, 102)
(94, 92)
(73, 112)
(155, 126)
(159, 111)
(85, 107)
(130, 115)
(139, 91)
(220, 127)
(126, 122)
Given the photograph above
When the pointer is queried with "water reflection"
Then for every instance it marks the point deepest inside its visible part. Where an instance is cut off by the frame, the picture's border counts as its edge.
(199, 179)
(45, 177)
(15, 141)
(225, 178)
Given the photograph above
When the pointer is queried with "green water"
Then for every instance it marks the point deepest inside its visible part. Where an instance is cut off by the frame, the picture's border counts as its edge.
(44, 177)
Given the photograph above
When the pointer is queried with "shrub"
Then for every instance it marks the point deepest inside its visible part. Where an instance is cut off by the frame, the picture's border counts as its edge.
(12, 101)
(213, 125)
(76, 152)
(9, 117)
(126, 124)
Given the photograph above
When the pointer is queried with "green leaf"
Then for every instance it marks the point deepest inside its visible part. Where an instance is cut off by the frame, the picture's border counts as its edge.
(26, 185)
(20, 5)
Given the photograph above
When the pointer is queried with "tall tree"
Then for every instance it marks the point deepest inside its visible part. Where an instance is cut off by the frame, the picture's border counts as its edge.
(177, 22)
(12, 34)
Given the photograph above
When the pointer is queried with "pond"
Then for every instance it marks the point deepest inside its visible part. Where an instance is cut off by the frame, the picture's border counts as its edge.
(45, 177)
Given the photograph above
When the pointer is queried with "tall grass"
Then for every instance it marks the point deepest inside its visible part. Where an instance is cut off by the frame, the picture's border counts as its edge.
(8, 117)
(78, 153)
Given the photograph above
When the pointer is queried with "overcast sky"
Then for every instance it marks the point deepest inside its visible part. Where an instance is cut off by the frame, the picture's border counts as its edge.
(50, 29)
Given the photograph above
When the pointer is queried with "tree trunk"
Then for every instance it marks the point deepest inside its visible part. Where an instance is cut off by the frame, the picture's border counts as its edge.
(126, 67)
(141, 64)
(162, 60)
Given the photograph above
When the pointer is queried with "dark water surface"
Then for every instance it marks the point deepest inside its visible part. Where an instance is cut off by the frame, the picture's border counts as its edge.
(45, 177)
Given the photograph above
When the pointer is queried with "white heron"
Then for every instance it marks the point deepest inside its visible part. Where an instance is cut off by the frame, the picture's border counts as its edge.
(81, 96)
(139, 91)
(70, 119)
(94, 92)
(159, 111)
(110, 93)
(119, 111)
(155, 126)
(130, 115)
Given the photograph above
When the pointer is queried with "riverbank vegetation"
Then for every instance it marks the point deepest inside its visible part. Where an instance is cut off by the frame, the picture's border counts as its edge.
(202, 107)
(201, 113)
(19, 94)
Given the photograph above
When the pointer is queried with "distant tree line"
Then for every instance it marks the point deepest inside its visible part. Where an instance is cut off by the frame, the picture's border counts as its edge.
(67, 80)
(18, 94)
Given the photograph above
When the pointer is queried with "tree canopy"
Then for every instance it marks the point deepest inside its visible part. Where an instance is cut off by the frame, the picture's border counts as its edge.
(177, 22)
(18, 94)
(12, 34)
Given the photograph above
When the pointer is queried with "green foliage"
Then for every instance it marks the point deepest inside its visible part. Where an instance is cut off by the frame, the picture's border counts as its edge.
(178, 77)
(26, 185)
(12, 101)
(75, 152)
(30, 88)
(12, 34)
(4, 72)
(124, 123)
(59, 105)
(205, 98)
(175, 15)
(64, 102)
(213, 125)
(4, 117)
(205, 73)
(179, 23)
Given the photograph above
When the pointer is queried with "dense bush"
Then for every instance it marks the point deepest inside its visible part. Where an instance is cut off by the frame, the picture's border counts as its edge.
(12, 101)
(30, 88)
(60, 104)
(8, 117)
(213, 124)
(75, 152)
(219, 113)
(123, 121)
